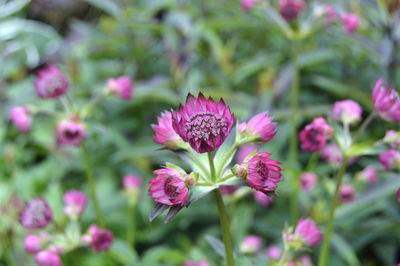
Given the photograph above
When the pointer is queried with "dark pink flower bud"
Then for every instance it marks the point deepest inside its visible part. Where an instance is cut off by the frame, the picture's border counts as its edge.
(386, 102)
(274, 252)
(350, 22)
(70, 133)
(75, 203)
(131, 181)
(346, 194)
(203, 123)
(36, 214)
(347, 111)
(122, 86)
(247, 5)
(308, 232)
(308, 181)
(51, 82)
(47, 258)
(398, 195)
(260, 128)
(313, 136)
(367, 175)
(164, 132)
(100, 239)
(245, 150)
(228, 189)
(251, 244)
(21, 118)
(33, 243)
(263, 199)
(332, 154)
(290, 9)
(193, 263)
(390, 159)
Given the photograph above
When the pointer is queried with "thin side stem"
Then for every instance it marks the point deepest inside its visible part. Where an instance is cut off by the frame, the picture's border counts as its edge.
(323, 258)
(283, 257)
(223, 217)
(363, 126)
(90, 179)
(212, 167)
(312, 162)
(131, 226)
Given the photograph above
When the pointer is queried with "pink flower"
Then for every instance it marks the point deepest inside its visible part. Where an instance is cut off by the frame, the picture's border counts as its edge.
(398, 195)
(332, 154)
(36, 214)
(21, 118)
(263, 174)
(260, 127)
(131, 181)
(70, 133)
(390, 159)
(51, 82)
(393, 138)
(203, 123)
(331, 14)
(347, 111)
(305, 260)
(245, 150)
(251, 244)
(47, 258)
(164, 132)
(100, 239)
(228, 189)
(368, 175)
(32, 243)
(308, 181)
(350, 22)
(308, 232)
(193, 263)
(346, 194)
(274, 252)
(313, 136)
(386, 102)
(169, 187)
(121, 86)
(263, 199)
(247, 5)
(75, 203)
(290, 9)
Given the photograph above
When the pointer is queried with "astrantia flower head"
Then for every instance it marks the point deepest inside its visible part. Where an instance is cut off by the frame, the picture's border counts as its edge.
(121, 86)
(290, 9)
(330, 13)
(203, 123)
(263, 199)
(164, 132)
(390, 159)
(313, 136)
(21, 118)
(51, 82)
(350, 22)
(346, 194)
(100, 239)
(36, 214)
(274, 252)
(47, 258)
(332, 154)
(170, 187)
(367, 175)
(70, 133)
(75, 203)
(33, 243)
(386, 102)
(308, 181)
(260, 128)
(308, 232)
(347, 111)
(251, 244)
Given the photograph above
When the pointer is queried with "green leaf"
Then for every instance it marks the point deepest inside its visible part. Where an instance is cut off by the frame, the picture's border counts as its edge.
(107, 6)
(217, 245)
(365, 148)
(345, 250)
(122, 252)
(198, 192)
(12, 7)
(221, 159)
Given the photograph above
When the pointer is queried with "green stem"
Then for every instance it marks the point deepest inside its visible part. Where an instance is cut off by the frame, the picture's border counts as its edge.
(90, 179)
(323, 258)
(223, 217)
(284, 257)
(131, 226)
(363, 126)
(212, 167)
(312, 162)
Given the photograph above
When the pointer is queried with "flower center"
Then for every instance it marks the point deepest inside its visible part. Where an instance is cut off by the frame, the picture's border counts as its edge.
(53, 84)
(262, 169)
(37, 213)
(71, 134)
(204, 125)
(171, 190)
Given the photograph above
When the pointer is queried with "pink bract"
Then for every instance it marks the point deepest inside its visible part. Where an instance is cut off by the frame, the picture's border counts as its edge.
(21, 118)
(122, 86)
(75, 202)
(164, 132)
(70, 133)
(263, 199)
(308, 232)
(313, 137)
(347, 111)
(51, 82)
(386, 102)
(260, 126)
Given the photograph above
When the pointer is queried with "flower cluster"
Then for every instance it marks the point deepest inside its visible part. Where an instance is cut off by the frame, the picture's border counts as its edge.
(314, 136)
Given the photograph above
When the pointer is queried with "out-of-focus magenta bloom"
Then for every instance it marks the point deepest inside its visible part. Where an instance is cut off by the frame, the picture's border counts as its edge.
(251, 244)
(260, 127)
(263, 199)
(169, 187)
(47, 258)
(51, 82)
(305, 260)
(194, 263)
(390, 159)
(347, 111)
(386, 102)
(36, 214)
(203, 123)
(56, 249)
(393, 138)
(274, 252)
(350, 22)
(32, 243)
(313, 136)
(308, 232)
(228, 189)
(70, 133)
(100, 239)
(247, 5)
(121, 86)
(164, 132)
(290, 9)
(308, 181)
(21, 118)
(367, 175)
(398, 195)
(75, 203)
(131, 181)
(263, 174)
(331, 14)
(346, 194)
(332, 154)
(245, 150)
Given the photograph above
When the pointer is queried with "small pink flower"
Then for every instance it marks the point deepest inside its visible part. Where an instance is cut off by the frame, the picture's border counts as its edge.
(247, 5)
(164, 132)
(70, 133)
(263, 199)
(245, 150)
(290, 9)
(305, 260)
(131, 181)
(390, 159)
(228, 189)
(260, 127)
(393, 138)
(398, 195)
(51, 82)
(21, 118)
(350, 22)
(251, 244)
(274, 252)
(122, 86)
(346, 194)
(169, 187)
(368, 175)
(313, 136)
(36, 214)
(347, 111)
(308, 232)
(32, 243)
(332, 154)
(308, 181)
(331, 14)
(100, 239)
(56, 249)
(198, 263)
(386, 102)
(203, 123)
(75, 203)
(47, 258)
(263, 174)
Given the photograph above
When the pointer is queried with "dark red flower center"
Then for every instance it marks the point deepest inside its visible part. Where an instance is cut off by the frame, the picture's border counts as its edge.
(71, 134)
(262, 169)
(205, 125)
(53, 84)
(171, 190)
